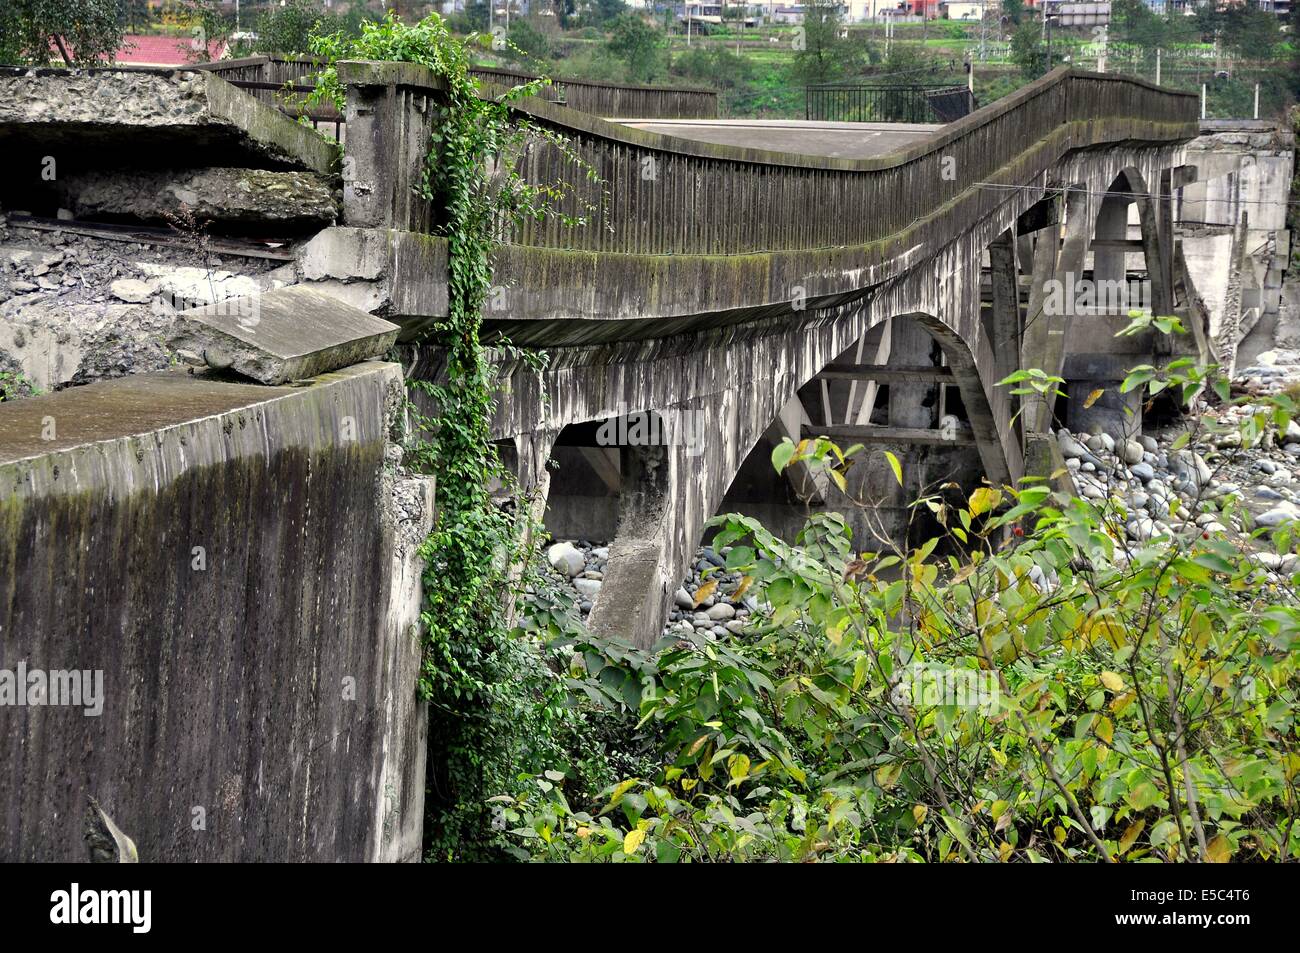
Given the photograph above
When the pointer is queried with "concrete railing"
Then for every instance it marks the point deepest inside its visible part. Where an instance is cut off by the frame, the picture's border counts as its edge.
(282, 82)
(660, 195)
(614, 100)
(265, 75)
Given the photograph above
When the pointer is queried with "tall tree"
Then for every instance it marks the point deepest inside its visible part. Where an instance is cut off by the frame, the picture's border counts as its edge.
(1132, 21)
(821, 53)
(604, 11)
(1250, 33)
(135, 14)
(1028, 50)
(80, 32)
(639, 45)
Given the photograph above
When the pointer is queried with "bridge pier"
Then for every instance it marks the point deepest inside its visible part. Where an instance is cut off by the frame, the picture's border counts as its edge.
(640, 573)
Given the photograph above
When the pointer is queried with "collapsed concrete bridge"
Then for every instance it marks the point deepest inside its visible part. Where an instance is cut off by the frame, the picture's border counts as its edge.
(871, 293)
(752, 290)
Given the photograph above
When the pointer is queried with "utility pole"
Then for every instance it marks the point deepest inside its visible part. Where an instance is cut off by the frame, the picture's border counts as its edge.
(984, 30)
(1047, 29)
(1157, 66)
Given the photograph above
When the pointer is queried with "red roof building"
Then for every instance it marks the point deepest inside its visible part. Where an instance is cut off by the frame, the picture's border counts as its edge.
(166, 51)
(152, 50)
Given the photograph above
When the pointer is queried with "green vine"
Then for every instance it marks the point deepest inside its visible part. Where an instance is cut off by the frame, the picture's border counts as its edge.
(490, 697)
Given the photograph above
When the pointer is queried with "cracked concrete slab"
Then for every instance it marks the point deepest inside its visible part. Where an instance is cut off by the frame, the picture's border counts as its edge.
(146, 118)
(287, 334)
(291, 201)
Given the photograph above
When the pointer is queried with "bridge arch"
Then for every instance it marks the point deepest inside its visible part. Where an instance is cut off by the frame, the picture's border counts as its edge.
(1095, 358)
(975, 396)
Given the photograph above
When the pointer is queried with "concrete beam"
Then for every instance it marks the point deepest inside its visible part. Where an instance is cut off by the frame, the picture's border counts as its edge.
(605, 462)
(888, 373)
(1004, 326)
(809, 485)
(874, 434)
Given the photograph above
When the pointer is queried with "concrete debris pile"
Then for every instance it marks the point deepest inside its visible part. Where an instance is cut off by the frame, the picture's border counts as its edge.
(76, 309)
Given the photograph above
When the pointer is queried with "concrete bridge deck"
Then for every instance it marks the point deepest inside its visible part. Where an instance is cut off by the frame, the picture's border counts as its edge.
(836, 140)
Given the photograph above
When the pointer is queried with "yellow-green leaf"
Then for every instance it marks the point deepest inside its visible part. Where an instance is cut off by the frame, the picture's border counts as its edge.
(1112, 681)
(984, 500)
(1218, 851)
(1130, 835)
(895, 466)
(632, 840)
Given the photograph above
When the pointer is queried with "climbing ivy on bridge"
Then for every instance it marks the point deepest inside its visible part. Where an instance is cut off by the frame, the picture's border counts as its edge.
(490, 705)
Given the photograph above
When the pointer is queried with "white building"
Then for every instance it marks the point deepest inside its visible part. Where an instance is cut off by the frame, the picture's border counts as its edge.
(967, 10)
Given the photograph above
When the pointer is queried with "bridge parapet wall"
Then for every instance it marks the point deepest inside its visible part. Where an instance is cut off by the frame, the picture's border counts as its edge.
(237, 565)
(660, 195)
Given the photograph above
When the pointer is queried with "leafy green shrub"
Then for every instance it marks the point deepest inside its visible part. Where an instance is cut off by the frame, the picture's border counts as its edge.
(1045, 691)
(639, 45)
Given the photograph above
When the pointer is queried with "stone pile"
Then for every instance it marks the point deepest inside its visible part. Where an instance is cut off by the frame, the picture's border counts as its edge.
(1211, 484)
(580, 565)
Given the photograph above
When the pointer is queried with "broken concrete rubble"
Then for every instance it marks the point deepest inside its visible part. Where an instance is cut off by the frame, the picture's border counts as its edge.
(285, 335)
(74, 309)
(223, 198)
(53, 344)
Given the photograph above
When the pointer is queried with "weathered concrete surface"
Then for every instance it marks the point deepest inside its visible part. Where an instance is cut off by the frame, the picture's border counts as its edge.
(1233, 227)
(136, 118)
(53, 344)
(278, 202)
(284, 335)
(239, 564)
(735, 378)
(839, 140)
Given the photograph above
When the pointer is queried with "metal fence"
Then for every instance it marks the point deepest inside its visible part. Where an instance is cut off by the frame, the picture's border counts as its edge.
(916, 103)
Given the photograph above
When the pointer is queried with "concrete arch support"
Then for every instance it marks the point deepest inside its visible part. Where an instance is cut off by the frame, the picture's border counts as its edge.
(1096, 359)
